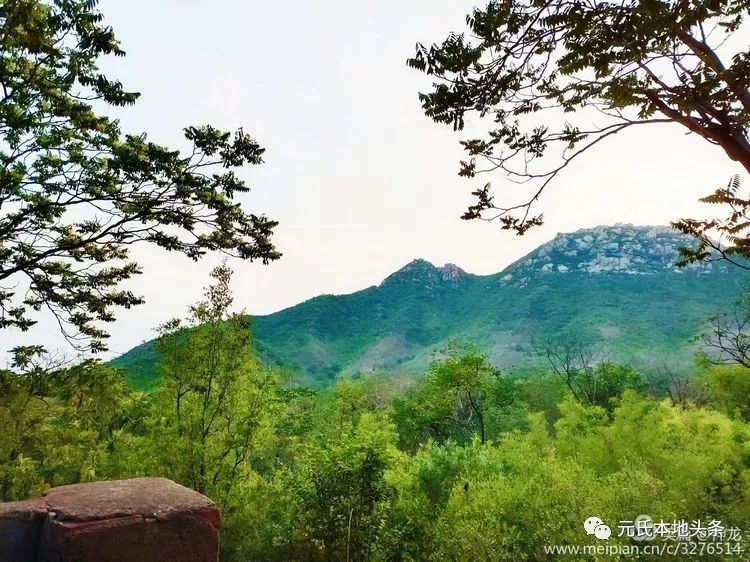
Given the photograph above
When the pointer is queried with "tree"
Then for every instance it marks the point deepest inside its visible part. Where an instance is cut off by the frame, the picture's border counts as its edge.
(76, 193)
(727, 339)
(58, 422)
(504, 501)
(528, 63)
(461, 396)
(23, 407)
(720, 238)
(215, 403)
(730, 390)
(344, 494)
(677, 384)
(590, 379)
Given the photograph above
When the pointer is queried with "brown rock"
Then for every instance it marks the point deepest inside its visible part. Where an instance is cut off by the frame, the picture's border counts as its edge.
(143, 520)
(147, 497)
(20, 529)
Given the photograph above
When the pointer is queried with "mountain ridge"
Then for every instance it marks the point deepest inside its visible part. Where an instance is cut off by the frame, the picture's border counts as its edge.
(666, 242)
(616, 286)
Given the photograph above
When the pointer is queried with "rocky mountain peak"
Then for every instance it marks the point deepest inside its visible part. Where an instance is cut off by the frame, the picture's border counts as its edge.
(424, 272)
(451, 271)
(621, 248)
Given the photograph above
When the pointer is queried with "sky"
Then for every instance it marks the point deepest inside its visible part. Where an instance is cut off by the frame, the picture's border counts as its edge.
(359, 179)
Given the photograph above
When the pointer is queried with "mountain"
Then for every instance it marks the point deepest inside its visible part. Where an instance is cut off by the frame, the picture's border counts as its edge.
(614, 286)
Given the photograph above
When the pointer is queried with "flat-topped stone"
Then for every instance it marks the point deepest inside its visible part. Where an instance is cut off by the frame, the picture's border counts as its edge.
(143, 519)
(20, 529)
(158, 498)
(28, 510)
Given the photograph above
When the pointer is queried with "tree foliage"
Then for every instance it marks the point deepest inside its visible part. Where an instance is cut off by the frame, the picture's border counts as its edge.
(335, 474)
(215, 400)
(590, 378)
(597, 68)
(461, 396)
(504, 501)
(59, 423)
(76, 193)
(727, 336)
(730, 387)
(724, 238)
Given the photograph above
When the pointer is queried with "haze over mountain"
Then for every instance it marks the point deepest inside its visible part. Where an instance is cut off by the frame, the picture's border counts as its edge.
(616, 287)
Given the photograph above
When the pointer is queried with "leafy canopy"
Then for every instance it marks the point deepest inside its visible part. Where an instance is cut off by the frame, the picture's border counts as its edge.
(726, 238)
(529, 64)
(336, 474)
(214, 401)
(461, 396)
(76, 193)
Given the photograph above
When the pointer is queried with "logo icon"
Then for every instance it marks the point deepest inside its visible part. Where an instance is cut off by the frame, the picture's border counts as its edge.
(644, 528)
(595, 526)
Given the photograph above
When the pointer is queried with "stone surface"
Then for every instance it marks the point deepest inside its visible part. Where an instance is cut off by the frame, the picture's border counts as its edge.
(622, 249)
(20, 529)
(144, 520)
(423, 273)
(147, 497)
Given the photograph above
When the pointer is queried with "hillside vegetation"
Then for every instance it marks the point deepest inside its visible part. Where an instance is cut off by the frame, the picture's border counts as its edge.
(462, 463)
(615, 287)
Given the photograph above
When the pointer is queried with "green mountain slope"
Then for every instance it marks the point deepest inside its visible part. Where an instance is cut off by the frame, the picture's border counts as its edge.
(615, 287)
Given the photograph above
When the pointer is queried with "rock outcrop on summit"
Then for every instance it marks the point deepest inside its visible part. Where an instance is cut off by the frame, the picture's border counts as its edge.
(623, 248)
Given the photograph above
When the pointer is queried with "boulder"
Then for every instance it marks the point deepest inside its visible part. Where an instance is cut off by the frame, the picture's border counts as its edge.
(144, 520)
(20, 529)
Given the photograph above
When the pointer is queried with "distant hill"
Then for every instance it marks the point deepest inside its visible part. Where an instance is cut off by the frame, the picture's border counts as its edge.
(614, 286)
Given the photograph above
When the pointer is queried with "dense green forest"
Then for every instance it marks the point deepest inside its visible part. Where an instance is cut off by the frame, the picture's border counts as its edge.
(440, 416)
(461, 463)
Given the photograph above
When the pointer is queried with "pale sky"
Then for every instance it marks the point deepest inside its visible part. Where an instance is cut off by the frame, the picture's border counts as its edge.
(360, 180)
